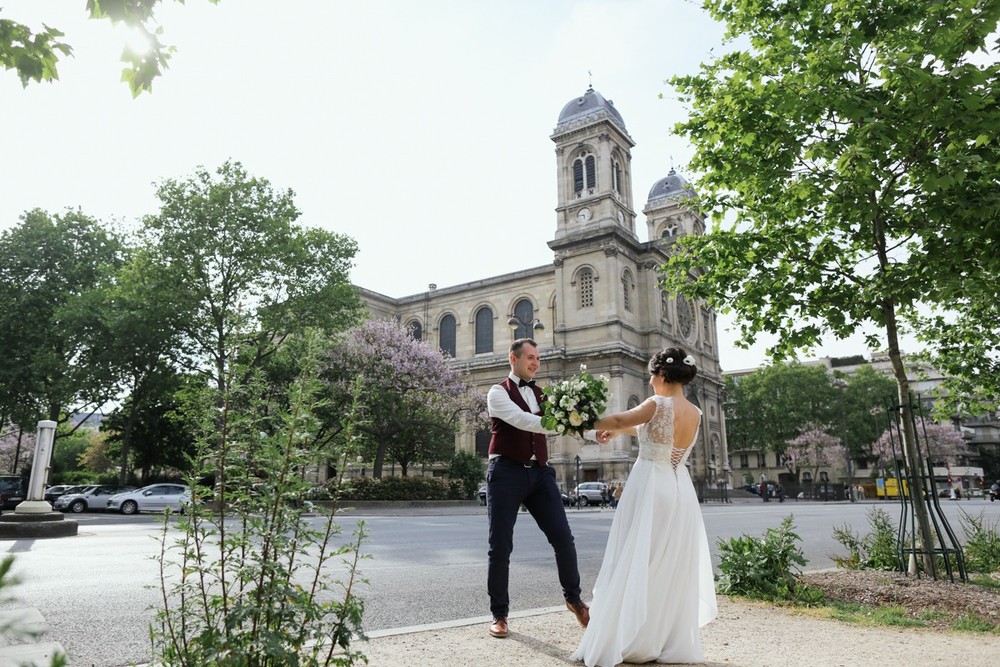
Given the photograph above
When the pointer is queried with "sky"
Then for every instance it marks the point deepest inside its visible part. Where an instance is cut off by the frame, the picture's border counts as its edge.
(420, 129)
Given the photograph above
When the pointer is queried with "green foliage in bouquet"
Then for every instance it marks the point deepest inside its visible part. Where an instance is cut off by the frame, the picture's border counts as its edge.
(574, 405)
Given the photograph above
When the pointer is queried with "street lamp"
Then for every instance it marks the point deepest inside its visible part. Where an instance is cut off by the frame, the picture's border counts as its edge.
(516, 322)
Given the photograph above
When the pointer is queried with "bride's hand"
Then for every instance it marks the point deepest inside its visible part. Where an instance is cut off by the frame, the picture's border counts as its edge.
(604, 437)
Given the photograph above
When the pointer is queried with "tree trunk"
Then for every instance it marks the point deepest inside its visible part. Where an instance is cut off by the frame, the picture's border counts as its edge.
(127, 440)
(914, 462)
(379, 460)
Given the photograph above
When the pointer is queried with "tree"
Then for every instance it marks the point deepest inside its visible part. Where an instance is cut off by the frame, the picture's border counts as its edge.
(35, 54)
(942, 444)
(853, 146)
(51, 268)
(812, 449)
(413, 400)
(468, 468)
(156, 424)
(145, 327)
(238, 275)
(771, 405)
(17, 448)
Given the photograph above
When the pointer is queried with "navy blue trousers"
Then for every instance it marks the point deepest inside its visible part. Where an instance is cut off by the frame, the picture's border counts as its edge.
(509, 485)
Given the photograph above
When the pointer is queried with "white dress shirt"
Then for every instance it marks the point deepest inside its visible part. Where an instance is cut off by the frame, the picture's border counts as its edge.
(500, 405)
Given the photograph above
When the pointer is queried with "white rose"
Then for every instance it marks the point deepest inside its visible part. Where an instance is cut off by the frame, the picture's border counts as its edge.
(561, 428)
(575, 419)
(583, 367)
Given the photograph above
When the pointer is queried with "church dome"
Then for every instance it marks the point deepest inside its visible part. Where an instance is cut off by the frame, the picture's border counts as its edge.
(591, 103)
(671, 185)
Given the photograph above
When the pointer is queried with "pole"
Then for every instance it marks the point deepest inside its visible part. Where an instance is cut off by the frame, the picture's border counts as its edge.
(35, 503)
(577, 482)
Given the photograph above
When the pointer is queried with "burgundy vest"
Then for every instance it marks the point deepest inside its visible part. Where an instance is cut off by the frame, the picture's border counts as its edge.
(513, 443)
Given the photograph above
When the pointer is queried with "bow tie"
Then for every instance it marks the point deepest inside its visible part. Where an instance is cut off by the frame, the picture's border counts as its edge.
(526, 383)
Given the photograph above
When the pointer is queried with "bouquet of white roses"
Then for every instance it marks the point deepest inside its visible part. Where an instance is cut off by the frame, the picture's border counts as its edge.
(574, 405)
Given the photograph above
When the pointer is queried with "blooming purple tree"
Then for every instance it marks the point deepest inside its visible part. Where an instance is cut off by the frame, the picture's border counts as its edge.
(17, 447)
(412, 400)
(812, 449)
(943, 444)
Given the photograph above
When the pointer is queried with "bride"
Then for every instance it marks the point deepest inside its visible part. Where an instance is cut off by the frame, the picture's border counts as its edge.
(655, 589)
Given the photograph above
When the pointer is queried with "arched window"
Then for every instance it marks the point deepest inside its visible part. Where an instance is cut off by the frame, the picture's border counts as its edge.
(807, 476)
(627, 285)
(484, 330)
(584, 173)
(446, 335)
(616, 176)
(416, 331)
(525, 312)
(586, 288)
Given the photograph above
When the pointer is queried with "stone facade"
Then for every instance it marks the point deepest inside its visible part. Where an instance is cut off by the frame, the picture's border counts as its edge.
(597, 304)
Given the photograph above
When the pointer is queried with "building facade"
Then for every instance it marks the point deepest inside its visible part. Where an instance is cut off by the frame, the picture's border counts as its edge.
(598, 303)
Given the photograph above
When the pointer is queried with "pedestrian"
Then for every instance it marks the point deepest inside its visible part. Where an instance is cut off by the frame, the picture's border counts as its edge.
(619, 487)
(518, 473)
(655, 588)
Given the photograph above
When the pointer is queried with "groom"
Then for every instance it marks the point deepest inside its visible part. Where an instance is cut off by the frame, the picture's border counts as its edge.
(518, 474)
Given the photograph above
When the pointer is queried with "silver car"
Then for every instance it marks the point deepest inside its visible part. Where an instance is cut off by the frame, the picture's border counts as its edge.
(152, 498)
(92, 497)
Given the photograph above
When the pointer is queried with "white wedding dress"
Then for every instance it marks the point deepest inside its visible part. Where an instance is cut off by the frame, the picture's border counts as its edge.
(655, 589)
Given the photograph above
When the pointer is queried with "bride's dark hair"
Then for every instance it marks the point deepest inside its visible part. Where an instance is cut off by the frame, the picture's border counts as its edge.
(673, 364)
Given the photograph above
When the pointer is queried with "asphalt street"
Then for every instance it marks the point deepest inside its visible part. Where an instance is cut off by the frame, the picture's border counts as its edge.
(98, 591)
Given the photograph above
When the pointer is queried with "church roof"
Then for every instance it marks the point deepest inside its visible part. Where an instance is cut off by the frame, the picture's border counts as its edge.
(671, 185)
(591, 103)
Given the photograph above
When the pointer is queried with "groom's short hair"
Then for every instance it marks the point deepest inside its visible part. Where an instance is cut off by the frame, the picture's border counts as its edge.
(515, 347)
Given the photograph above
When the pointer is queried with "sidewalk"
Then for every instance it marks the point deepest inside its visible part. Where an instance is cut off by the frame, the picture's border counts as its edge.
(744, 635)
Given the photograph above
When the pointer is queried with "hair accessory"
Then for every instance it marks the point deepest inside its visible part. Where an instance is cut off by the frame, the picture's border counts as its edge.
(689, 360)
(670, 360)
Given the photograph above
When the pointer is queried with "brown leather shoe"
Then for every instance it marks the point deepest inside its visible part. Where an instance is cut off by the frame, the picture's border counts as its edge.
(499, 628)
(581, 611)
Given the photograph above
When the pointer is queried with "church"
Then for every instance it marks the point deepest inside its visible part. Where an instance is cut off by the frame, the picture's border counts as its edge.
(598, 303)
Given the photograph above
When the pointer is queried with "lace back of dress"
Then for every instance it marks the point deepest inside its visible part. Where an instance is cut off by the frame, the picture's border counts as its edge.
(656, 437)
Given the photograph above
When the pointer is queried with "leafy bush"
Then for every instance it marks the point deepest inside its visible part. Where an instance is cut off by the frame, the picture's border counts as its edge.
(470, 470)
(254, 582)
(982, 544)
(401, 488)
(765, 568)
(877, 550)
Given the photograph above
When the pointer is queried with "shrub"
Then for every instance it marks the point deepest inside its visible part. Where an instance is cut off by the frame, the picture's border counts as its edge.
(877, 550)
(400, 488)
(253, 585)
(982, 544)
(470, 470)
(765, 568)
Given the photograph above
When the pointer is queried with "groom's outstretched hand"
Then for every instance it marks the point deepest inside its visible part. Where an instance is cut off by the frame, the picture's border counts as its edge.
(604, 437)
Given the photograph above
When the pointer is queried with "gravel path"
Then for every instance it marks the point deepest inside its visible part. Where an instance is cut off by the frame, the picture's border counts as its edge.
(744, 635)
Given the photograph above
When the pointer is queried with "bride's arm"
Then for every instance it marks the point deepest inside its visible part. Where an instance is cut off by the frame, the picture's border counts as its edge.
(631, 430)
(627, 421)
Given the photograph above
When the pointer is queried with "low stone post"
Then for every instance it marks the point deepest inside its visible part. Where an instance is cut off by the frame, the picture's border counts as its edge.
(34, 502)
(34, 518)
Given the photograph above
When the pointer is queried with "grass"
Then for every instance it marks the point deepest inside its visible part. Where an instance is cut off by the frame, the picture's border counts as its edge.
(986, 581)
(895, 616)
(975, 623)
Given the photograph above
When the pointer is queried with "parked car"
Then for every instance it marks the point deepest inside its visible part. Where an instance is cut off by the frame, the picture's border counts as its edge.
(12, 491)
(92, 497)
(54, 492)
(568, 501)
(589, 493)
(152, 498)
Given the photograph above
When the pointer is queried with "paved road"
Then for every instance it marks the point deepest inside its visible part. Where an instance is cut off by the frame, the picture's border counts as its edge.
(427, 566)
